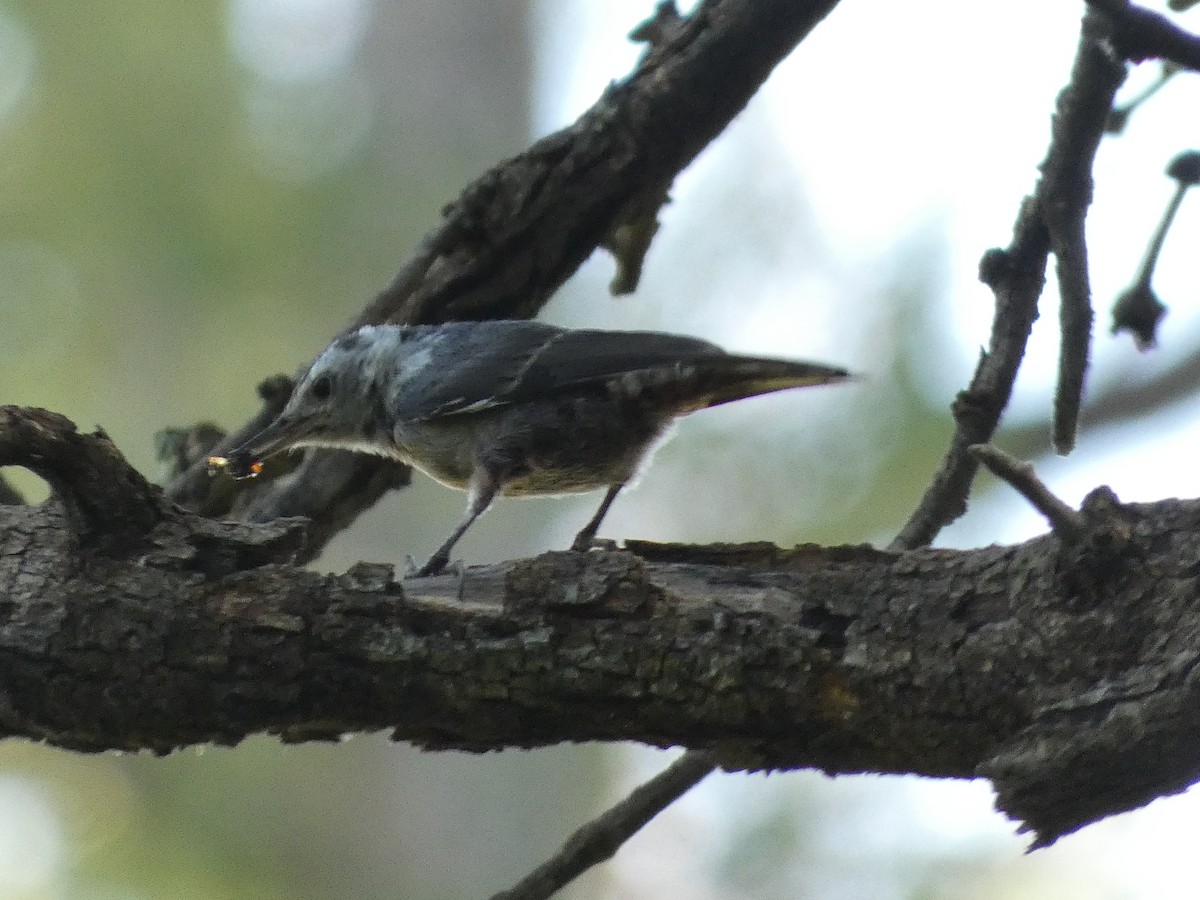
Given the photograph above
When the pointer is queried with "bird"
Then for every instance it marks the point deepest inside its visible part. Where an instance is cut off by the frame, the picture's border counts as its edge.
(514, 408)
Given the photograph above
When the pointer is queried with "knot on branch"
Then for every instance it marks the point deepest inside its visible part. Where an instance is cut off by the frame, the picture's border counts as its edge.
(1101, 551)
(1095, 542)
(972, 408)
(660, 28)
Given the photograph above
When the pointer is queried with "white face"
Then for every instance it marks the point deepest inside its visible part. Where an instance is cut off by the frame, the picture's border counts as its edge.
(336, 394)
(336, 405)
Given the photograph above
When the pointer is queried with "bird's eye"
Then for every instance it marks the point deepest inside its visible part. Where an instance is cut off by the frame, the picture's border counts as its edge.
(322, 387)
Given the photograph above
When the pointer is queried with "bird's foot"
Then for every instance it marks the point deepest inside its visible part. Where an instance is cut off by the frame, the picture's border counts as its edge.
(437, 565)
(582, 543)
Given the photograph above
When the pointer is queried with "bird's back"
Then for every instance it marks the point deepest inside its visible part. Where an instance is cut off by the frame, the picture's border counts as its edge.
(506, 363)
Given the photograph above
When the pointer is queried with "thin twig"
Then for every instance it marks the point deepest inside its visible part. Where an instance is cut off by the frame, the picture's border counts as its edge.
(600, 838)
(1079, 124)
(1016, 276)
(1146, 270)
(1120, 404)
(1075, 319)
(1066, 521)
(1119, 118)
(1138, 309)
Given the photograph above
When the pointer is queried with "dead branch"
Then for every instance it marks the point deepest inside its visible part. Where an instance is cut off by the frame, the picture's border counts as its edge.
(1066, 674)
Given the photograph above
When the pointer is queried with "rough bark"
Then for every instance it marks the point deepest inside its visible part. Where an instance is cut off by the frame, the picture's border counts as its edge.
(1062, 672)
(1061, 668)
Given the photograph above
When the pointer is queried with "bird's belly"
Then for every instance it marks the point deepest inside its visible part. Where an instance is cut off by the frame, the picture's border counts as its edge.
(565, 446)
(549, 482)
(528, 478)
(444, 454)
(570, 445)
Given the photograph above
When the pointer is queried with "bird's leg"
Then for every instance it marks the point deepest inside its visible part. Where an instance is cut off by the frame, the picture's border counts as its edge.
(587, 535)
(480, 494)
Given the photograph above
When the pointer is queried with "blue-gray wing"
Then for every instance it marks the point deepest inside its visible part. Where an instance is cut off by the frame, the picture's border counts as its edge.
(474, 366)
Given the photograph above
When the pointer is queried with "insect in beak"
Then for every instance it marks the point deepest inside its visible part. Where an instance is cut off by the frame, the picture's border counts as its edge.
(240, 464)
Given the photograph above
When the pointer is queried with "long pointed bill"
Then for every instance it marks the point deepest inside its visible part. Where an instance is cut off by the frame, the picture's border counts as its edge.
(246, 461)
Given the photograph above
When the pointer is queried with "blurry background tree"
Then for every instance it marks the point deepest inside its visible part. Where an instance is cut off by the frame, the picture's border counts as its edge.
(196, 195)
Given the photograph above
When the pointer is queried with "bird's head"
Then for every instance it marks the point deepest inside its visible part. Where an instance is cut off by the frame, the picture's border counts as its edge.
(336, 404)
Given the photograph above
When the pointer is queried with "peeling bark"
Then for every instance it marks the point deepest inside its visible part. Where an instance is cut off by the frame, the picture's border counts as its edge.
(1064, 672)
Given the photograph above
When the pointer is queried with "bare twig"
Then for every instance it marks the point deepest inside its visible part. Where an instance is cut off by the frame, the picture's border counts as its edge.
(1066, 521)
(1138, 309)
(1118, 119)
(602, 837)
(1083, 111)
(1016, 276)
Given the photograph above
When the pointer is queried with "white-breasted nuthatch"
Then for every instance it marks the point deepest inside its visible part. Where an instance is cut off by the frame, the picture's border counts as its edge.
(516, 408)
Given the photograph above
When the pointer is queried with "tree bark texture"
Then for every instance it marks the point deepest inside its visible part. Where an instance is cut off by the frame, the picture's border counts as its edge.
(1062, 668)
(1065, 672)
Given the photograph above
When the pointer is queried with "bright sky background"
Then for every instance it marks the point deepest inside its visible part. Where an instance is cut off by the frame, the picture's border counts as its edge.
(900, 118)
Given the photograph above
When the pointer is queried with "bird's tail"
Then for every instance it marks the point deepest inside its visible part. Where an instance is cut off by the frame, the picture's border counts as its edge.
(722, 379)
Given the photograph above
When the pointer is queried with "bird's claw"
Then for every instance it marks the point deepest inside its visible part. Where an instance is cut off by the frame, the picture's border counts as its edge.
(594, 543)
(435, 566)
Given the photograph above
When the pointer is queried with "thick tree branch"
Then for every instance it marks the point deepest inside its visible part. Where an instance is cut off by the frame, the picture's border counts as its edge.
(9, 494)
(1064, 673)
(1138, 34)
(129, 623)
(522, 229)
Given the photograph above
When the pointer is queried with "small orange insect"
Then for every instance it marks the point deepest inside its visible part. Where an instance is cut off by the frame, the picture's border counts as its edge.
(240, 465)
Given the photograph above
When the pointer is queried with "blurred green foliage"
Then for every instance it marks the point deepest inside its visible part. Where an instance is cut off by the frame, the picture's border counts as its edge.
(176, 225)
(155, 262)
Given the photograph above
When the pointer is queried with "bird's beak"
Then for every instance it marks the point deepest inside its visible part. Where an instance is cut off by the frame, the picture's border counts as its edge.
(246, 461)
(285, 432)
